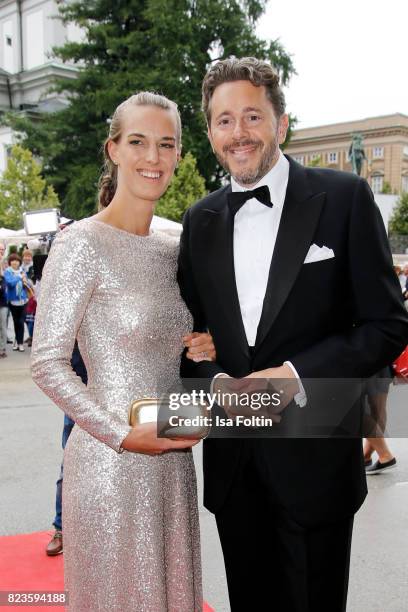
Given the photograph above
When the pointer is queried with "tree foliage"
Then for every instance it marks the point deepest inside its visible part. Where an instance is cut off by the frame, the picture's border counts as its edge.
(386, 187)
(187, 187)
(398, 223)
(317, 162)
(133, 45)
(22, 188)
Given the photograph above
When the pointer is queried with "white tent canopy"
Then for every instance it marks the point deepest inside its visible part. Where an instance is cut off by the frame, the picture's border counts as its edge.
(5, 233)
(165, 225)
(18, 237)
(9, 236)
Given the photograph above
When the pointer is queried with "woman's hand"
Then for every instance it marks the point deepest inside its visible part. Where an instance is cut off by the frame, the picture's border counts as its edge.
(200, 347)
(143, 439)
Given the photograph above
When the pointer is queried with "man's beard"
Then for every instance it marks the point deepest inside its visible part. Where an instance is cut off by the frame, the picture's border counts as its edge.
(250, 176)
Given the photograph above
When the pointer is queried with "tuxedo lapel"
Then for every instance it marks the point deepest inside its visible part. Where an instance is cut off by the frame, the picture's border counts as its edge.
(218, 229)
(299, 219)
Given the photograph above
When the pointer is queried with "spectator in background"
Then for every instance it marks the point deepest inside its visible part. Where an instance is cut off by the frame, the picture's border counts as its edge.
(405, 296)
(405, 289)
(30, 318)
(377, 388)
(17, 286)
(27, 265)
(3, 259)
(55, 545)
(402, 277)
(3, 305)
(28, 268)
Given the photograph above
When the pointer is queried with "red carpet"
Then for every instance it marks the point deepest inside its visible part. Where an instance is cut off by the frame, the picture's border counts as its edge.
(24, 566)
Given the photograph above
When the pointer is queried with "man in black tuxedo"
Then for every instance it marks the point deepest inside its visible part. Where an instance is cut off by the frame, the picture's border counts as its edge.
(294, 280)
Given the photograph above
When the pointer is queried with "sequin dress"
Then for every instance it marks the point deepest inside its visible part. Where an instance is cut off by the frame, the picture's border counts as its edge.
(130, 521)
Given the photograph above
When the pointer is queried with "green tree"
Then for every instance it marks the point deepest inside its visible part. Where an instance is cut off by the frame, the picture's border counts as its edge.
(187, 187)
(23, 188)
(398, 223)
(317, 162)
(131, 45)
(386, 187)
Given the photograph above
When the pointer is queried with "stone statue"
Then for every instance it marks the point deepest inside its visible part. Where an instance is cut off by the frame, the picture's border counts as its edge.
(356, 153)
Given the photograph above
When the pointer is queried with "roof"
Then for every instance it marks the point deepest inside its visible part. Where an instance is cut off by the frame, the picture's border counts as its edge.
(383, 122)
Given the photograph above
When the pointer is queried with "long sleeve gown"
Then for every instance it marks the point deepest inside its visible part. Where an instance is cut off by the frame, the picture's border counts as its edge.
(130, 520)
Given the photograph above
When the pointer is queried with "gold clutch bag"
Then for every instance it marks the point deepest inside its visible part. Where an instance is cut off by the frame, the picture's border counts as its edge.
(192, 421)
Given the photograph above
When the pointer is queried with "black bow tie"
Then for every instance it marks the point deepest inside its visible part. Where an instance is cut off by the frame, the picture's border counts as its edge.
(236, 199)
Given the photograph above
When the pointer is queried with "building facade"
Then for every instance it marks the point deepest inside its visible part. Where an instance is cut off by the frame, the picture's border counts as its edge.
(28, 33)
(385, 146)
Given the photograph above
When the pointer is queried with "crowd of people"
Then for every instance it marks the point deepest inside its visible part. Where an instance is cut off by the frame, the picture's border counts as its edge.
(17, 298)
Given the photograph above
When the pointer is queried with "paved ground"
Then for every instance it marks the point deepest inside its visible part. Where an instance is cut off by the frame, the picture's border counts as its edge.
(30, 433)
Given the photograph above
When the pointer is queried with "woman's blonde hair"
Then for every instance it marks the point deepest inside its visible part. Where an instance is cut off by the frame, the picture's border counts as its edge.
(108, 180)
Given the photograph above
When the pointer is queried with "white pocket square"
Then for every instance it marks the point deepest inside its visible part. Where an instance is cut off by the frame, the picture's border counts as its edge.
(316, 253)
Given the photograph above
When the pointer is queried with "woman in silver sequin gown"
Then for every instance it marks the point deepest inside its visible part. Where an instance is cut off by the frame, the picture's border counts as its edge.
(130, 519)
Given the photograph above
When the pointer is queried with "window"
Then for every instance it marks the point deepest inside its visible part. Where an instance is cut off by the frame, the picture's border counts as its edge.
(8, 56)
(377, 183)
(332, 158)
(405, 151)
(404, 184)
(314, 156)
(378, 152)
(300, 159)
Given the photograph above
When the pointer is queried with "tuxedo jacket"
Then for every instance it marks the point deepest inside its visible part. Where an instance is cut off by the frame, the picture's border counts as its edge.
(341, 317)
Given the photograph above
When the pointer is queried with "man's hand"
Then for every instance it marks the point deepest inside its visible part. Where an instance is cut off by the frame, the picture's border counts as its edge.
(200, 347)
(280, 380)
(242, 397)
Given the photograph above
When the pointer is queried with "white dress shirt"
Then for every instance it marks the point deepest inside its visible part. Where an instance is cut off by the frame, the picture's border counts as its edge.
(255, 231)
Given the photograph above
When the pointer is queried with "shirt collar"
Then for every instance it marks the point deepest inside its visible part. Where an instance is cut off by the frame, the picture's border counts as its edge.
(276, 179)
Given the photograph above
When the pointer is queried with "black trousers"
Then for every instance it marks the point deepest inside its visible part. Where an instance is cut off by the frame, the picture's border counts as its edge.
(272, 563)
(18, 313)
